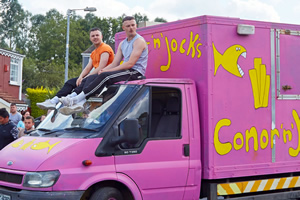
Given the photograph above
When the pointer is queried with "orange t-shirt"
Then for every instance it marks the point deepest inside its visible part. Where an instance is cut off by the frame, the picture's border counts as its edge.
(96, 54)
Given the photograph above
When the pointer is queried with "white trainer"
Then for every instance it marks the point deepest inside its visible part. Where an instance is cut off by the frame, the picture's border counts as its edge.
(46, 105)
(66, 101)
(75, 108)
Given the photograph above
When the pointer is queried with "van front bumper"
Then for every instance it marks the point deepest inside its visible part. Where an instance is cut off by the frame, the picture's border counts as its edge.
(7, 194)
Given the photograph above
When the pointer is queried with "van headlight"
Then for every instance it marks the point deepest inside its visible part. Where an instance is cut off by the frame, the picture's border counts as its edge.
(41, 179)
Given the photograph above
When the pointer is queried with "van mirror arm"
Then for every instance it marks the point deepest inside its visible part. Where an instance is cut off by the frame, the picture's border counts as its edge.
(131, 134)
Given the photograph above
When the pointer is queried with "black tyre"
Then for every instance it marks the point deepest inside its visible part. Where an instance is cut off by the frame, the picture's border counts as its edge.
(107, 193)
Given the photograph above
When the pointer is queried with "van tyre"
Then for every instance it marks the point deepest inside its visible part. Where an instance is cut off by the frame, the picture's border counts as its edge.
(107, 193)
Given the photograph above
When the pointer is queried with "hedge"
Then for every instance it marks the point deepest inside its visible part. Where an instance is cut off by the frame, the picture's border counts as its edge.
(39, 95)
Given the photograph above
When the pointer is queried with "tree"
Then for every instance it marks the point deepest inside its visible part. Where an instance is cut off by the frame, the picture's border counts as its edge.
(42, 73)
(160, 19)
(78, 43)
(30, 74)
(116, 26)
(45, 46)
(14, 25)
(42, 39)
(4, 6)
(49, 37)
(88, 21)
(109, 27)
(140, 18)
(32, 46)
(46, 49)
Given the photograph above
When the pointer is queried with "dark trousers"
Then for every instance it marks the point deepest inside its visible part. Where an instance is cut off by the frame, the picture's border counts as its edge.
(94, 84)
(68, 87)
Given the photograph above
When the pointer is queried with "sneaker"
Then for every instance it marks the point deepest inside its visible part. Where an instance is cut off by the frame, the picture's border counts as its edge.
(66, 101)
(46, 105)
(76, 108)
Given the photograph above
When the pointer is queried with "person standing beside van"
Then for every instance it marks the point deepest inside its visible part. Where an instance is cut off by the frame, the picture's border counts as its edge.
(14, 115)
(21, 123)
(8, 129)
(29, 126)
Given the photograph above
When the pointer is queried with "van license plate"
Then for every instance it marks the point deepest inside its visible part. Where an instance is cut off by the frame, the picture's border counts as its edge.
(4, 197)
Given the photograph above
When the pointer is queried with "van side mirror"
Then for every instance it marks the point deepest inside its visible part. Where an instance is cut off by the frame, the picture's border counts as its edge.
(129, 128)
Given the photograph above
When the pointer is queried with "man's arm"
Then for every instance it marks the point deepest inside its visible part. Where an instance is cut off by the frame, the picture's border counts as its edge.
(103, 62)
(14, 132)
(118, 58)
(21, 133)
(20, 116)
(138, 47)
(85, 72)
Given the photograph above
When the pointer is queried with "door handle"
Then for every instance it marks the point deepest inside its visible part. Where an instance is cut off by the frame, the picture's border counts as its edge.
(186, 150)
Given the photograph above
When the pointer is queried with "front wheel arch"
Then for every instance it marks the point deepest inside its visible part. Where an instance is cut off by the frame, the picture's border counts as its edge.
(107, 193)
(126, 193)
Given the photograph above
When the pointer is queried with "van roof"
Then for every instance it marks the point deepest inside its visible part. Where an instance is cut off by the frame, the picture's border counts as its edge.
(160, 80)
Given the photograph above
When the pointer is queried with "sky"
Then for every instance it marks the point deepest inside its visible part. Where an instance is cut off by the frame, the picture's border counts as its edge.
(283, 11)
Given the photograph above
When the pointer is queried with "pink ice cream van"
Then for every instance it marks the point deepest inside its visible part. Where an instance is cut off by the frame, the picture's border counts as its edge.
(217, 117)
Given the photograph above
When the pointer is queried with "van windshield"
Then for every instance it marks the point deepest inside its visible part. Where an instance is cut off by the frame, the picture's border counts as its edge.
(98, 112)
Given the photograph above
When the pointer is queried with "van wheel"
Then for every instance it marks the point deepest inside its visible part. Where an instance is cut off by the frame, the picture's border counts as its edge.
(107, 193)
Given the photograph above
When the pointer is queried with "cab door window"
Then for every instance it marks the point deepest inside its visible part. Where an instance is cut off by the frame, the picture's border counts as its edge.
(138, 109)
(158, 111)
(165, 113)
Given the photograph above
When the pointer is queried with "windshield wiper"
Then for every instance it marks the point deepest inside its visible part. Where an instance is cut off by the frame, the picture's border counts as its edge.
(48, 131)
(80, 129)
(43, 129)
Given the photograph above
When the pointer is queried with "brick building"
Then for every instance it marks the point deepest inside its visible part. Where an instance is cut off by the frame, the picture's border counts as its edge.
(11, 66)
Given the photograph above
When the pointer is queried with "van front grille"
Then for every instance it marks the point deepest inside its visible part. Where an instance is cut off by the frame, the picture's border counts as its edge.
(11, 178)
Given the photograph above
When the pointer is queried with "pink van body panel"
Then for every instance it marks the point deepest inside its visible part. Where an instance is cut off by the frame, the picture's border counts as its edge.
(162, 158)
(73, 173)
(191, 48)
(239, 114)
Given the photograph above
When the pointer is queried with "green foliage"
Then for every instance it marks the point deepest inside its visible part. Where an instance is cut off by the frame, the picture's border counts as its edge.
(14, 25)
(74, 72)
(39, 95)
(48, 74)
(159, 19)
(140, 18)
(30, 74)
(48, 37)
(78, 43)
(42, 38)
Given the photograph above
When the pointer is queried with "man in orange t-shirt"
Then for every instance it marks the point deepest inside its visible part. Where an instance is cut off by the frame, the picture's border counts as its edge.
(102, 56)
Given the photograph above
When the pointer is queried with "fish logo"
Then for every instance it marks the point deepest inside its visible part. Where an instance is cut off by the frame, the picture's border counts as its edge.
(17, 144)
(25, 146)
(44, 145)
(229, 59)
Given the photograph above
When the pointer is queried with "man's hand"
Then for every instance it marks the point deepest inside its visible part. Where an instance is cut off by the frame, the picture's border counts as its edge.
(100, 71)
(79, 80)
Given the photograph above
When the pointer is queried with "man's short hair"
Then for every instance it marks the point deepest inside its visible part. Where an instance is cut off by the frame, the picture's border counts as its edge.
(95, 29)
(4, 113)
(13, 104)
(127, 18)
(30, 117)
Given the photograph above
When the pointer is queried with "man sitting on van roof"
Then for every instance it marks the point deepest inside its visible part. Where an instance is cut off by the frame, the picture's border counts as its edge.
(102, 56)
(133, 49)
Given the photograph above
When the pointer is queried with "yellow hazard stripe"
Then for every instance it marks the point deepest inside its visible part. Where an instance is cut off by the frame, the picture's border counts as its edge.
(258, 185)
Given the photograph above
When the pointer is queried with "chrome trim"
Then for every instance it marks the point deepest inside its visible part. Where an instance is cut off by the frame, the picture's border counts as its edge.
(273, 86)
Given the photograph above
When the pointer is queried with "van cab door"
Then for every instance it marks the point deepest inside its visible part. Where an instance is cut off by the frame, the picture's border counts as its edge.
(159, 162)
